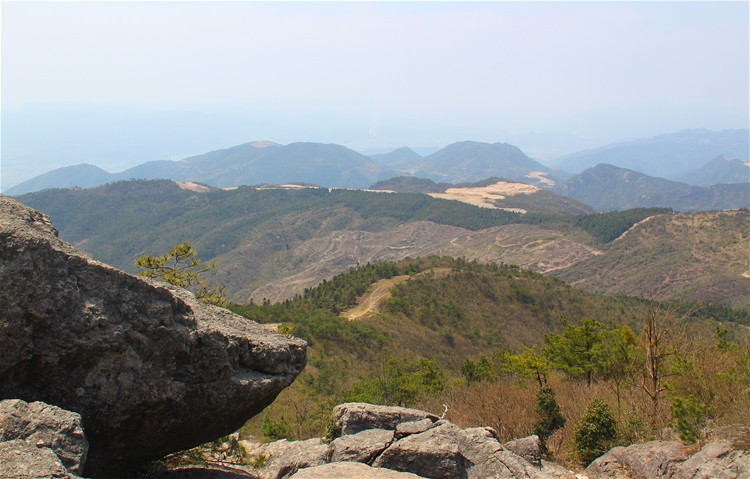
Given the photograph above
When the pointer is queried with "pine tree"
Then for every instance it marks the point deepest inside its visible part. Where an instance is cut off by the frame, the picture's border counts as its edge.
(596, 432)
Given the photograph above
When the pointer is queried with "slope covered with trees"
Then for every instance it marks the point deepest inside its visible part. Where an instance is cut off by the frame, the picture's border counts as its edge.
(484, 339)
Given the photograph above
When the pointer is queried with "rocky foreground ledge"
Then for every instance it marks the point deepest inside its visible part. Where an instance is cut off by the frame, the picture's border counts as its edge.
(398, 443)
(149, 369)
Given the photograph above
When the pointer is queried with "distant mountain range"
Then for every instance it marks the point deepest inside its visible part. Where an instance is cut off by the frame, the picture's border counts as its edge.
(703, 159)
(607, 188)
(323, 164)
(667, 156)
(247, 164)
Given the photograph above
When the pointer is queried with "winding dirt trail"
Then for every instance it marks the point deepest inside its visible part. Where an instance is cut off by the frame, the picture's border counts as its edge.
(380, 292)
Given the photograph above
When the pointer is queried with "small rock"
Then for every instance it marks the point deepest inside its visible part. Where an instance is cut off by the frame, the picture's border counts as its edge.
(413, 427)
(283, 458)
(529, 448)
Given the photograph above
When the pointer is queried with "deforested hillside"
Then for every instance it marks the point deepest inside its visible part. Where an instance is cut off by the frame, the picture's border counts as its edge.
(702, 256)
(493, 193)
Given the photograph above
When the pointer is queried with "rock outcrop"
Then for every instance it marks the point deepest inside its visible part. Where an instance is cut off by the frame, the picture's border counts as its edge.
(719, 459)
(45, 427)
(399, 440)
(149, 368)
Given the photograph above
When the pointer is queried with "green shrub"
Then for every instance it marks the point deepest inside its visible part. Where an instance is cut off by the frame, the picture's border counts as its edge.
(596, 432)
(550, 417)
(689, 416)
(275, 430)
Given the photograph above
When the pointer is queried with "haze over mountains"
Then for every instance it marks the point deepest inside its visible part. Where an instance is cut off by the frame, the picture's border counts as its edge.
(669, 155)
(699, 157)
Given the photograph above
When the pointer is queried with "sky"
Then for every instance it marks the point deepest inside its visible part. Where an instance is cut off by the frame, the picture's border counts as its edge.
(119, 83)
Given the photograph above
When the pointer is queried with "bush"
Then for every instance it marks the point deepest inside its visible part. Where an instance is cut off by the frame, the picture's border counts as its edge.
(689, 416)
(275, 430)
(550, 417)
(596, 432)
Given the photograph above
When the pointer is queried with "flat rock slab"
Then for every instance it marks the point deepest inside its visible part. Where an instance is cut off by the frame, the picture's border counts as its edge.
(351, 470)
(149, 368)
(356, 417)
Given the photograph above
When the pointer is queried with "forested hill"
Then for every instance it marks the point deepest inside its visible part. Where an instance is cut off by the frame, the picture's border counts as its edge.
(274, 242)
(462, 306)
(459, 332)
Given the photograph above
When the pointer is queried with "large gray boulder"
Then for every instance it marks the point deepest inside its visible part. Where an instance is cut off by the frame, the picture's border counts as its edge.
(149, 368)
(45, 426)
(648, 459)
(716, 460)
(447, 451)
(434, 453)
(670, 460)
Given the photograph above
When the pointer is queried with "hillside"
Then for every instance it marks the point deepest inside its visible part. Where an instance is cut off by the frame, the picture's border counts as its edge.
(274, 243)
(607, 187)
(702, 256)
(440, 319)
(720, 170)
(469, 161)
(667, 156)
(410, 184)
(81, 176)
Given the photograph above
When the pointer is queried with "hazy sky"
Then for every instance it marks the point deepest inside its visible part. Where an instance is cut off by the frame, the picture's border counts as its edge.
(116, 84)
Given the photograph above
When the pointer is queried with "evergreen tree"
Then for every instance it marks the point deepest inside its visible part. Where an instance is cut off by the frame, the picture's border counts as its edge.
(181, 267)
(595, 433)
(550, 417)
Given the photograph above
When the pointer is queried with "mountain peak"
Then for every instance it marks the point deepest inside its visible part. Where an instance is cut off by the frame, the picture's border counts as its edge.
(263, 144)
